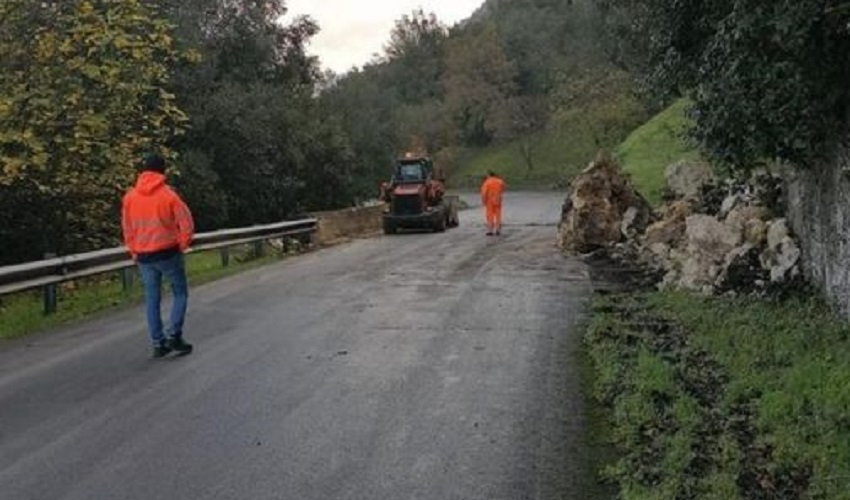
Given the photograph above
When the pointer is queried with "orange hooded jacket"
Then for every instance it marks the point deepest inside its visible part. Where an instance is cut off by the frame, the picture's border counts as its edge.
(491, 192)
(154, 218)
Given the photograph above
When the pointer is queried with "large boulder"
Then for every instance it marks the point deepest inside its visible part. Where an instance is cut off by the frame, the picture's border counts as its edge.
(749, 220)
(685, 179)
(602, 209)
(741, 254)
(670, 228)
(711, 237)
(782, 255)
(740, 217)
(698, 273)
(703, 255)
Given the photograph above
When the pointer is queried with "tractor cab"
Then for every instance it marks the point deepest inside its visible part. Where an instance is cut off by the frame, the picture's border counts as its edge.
(413, 170)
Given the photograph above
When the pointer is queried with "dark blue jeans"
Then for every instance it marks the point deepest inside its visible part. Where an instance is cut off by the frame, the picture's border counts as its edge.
(174, 270)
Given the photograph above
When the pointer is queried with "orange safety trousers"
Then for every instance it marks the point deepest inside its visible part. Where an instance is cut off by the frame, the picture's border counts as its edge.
(493, 215)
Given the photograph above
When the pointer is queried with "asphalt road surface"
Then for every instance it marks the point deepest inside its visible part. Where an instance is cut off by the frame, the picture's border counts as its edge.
(416, 366)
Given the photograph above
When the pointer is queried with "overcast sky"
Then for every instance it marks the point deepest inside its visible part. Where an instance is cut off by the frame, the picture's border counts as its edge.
(354, 30)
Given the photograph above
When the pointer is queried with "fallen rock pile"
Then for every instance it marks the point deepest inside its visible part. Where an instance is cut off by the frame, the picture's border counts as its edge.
(713, 237)
(603, 209)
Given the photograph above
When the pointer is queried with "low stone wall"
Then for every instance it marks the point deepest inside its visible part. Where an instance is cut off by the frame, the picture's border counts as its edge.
(819, 213)
(341, 225)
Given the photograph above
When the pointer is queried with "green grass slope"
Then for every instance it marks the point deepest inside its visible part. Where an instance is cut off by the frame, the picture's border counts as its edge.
(557, 155)
(559, 152)
(724, 398)
(651, 148)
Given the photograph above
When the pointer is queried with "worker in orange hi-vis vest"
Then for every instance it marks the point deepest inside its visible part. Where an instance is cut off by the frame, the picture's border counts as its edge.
(158, 230)
(491, 197)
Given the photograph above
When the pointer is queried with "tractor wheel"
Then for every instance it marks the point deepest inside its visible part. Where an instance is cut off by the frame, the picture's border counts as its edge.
(440, 225)
(389, 228)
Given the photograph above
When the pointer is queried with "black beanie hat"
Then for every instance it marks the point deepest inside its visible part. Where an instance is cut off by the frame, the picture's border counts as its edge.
(154, 163)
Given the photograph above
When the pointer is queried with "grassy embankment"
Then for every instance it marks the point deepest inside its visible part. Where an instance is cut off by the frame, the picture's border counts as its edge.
(559, 152)
(719, 398)
(724, 398)
(652, 147)
(23, 314)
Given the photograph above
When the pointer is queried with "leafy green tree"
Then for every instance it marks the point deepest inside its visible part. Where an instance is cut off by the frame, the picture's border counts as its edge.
(260, 147)
(414, 57)
(83, 91)
(768, 80)
(394, 103)
(497, 77)
(528, 114)
(367, 113)
(775, 82)
(478, 81)
(663, 41)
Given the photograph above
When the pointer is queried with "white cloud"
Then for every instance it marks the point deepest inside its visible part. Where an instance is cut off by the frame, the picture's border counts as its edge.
(353, 31)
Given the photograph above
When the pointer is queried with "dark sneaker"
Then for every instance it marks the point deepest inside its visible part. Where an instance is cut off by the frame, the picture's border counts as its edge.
(488, 233)
(180, 346)
(161, 350)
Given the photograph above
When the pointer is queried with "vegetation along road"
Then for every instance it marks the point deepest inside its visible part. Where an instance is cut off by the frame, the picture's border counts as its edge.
(432, 366)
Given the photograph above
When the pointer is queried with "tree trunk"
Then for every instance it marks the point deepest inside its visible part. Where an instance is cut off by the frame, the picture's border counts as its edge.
(526, 150)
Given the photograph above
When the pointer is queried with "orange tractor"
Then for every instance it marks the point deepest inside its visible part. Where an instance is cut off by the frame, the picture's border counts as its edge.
(416, 198)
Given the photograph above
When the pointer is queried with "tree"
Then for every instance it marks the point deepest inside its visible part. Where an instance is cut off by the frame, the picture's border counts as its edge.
(260, 144)
(768, 80)
(414, 56)
(83, 92)
(367, 112)
(529, 114)
(493, 78)
(775, 83)
(479, 79)
(663, 42)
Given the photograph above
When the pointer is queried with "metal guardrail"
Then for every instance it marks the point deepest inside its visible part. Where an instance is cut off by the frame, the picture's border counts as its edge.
(48, 273)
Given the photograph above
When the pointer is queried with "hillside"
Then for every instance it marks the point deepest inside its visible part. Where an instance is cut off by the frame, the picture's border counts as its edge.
(658, 143)
(559, 151)
(524, 87)
(591, 104)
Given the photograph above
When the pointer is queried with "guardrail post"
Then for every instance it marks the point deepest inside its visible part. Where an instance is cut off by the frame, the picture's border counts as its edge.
(51, 296)
(50, 299)
(127, 278)
(306, 239)
(258, 249)
(225, 257)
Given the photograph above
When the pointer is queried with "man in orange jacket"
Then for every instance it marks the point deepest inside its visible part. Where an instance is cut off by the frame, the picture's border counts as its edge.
(491, 197)
(158, 229)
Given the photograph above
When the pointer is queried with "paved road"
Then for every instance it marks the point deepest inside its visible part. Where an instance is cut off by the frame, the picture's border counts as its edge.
(427, 366)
